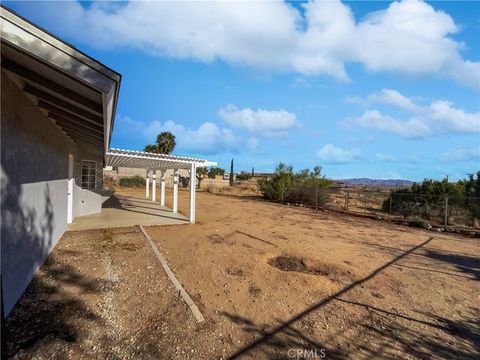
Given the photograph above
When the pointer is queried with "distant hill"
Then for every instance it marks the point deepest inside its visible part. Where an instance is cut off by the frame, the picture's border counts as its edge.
(378, 182)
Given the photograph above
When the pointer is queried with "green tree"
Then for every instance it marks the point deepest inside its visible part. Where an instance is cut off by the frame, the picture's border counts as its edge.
(472, 193)
(166, 142)
(302, 186)
(215, 171)
(232, 174)
(428, 200)
(151, 148)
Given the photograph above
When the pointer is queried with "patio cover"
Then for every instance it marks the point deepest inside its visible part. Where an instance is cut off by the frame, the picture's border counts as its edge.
(152, 161)
(161, 162)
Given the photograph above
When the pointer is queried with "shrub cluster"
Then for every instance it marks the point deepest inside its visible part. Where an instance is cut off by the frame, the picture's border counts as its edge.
(300, 187)
(244, 176)
(428, 200)
(133, 181)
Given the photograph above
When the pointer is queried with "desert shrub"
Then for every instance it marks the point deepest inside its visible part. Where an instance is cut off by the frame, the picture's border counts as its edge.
(427, 200)
(300, 187)
(244, 176)
(133, 181)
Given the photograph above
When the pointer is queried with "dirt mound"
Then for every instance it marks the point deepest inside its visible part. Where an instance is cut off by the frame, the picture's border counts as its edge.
(298, 264)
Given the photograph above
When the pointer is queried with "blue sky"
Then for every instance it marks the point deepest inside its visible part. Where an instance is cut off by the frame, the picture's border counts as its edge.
(365, 89)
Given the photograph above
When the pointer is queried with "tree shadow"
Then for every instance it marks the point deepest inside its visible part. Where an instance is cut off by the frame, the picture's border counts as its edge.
(463, 263)
(395, 332)
(394, 337)
(63, 312)
(46, 312)
(389, 338)
(278, 345)
(27, 238)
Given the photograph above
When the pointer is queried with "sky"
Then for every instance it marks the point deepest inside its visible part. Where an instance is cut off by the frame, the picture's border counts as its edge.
(387, 90)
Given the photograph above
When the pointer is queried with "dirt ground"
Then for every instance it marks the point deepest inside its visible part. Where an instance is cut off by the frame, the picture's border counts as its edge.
(272, 281)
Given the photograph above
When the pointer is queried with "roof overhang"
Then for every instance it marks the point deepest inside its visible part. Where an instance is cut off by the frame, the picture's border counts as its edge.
(78, 93)
(152, 161)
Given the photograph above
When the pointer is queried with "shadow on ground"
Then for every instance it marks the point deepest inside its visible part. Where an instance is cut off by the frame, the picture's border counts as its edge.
(385, 333)
(46, 312)
(465, 264)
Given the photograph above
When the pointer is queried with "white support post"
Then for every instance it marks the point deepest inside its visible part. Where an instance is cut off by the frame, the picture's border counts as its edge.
(193, 186)
(154, 185)
(162, 188)
(175, 190)
(147, 186)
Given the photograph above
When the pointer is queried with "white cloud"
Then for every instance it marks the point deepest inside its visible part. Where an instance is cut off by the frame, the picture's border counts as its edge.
(393, 97)
(440, 117)
(450, 119)
(462, 154)
(374, 119)
(207, 139)
(384, 157)
(356, 100)
(407, 37)
(336, 155)
(272, 123)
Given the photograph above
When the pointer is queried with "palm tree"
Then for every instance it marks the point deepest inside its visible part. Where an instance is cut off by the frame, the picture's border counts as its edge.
(151, 148)
(165, 142)
(164, 145)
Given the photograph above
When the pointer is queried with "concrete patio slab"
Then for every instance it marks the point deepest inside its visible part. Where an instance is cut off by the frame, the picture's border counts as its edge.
(122, 211)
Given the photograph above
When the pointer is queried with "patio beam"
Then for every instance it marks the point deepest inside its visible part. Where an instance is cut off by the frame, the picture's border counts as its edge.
(193, 188)
(162, 188)
(175, 191)
(147, 185)
(154, 185)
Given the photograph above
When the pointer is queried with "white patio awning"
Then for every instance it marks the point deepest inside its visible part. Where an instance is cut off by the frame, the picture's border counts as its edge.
(152, 161)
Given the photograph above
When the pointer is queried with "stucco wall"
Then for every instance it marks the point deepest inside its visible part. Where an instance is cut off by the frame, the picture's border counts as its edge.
(86, 202)
(34, 177)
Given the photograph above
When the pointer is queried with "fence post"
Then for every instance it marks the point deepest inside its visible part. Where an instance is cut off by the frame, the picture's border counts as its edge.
(316, 199)
(390, 207)
(365, 201)
(446, 210)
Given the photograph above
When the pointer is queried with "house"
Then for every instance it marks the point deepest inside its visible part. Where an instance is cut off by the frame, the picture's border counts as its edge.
(265, 176)
(57, 108)
(57, 114)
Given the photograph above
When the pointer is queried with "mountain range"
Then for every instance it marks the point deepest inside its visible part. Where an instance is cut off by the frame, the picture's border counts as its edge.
(378, 182)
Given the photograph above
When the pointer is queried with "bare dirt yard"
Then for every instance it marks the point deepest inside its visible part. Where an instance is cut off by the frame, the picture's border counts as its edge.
(272, 281)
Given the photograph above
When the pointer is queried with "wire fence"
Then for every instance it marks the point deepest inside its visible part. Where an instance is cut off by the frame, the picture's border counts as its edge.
(441, 210)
